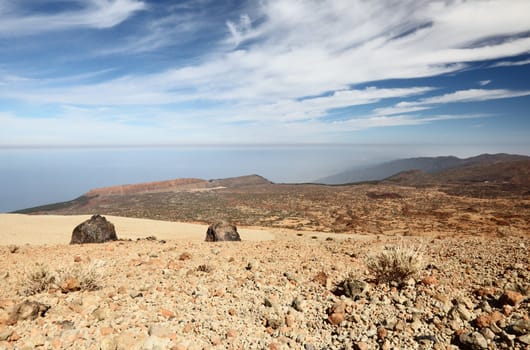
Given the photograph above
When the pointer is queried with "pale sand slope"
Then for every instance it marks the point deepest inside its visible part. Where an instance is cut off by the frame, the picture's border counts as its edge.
(56, 229)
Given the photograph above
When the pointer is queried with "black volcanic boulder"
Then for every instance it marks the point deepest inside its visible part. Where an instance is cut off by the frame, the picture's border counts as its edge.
(222, 231)
(94, 230)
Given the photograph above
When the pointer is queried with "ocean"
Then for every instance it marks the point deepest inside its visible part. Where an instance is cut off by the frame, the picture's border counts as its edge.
(36, 176)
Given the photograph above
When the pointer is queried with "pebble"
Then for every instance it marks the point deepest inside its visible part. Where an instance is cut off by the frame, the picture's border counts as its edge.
(230, 307)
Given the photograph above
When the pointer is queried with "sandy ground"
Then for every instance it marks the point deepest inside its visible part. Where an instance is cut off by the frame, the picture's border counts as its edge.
(56, 229)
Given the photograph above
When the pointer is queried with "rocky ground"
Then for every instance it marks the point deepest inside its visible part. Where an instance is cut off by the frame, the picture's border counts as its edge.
(472, 292)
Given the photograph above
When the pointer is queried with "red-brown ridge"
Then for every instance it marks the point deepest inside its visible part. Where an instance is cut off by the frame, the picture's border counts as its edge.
(157, 186)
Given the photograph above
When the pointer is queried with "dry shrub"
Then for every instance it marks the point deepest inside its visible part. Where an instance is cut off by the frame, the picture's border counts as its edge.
(38, 280)
(42, 279)
(396, 264)
(78, 278)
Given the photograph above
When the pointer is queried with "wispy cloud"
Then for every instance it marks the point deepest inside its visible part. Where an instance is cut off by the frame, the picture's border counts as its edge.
(461, 96)
(472, 95)
(285, 67)
(91, 14)
(240, 29)
(511, 63)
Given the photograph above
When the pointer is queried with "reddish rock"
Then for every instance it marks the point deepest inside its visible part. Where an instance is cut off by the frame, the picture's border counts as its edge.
(430, 281)
(485, 292)
(321, 278)
(509, 297)
(485, 320)
(336, 313)
(14, 336)
(274, 346)
(382, 333)
(216, 341)
(70, 284)
(166, 313)
(231, 333)
(185, 256)
(106, 331)
(187, 328)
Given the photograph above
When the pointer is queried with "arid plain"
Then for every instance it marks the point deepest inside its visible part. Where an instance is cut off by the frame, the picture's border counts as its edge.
(300, 279)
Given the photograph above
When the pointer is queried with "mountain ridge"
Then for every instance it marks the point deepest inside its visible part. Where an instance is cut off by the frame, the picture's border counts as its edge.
(428, 165)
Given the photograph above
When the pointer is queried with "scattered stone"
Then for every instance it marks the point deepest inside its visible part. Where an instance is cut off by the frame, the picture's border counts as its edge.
(487, 333)
(159, 331)
(525, 339)
(521, 327)
(94, 230)
(321, 278)
(336, 313)
(487, 319)
(290, 277)
(382, 333)
(108, 343)
(222, 231)
(185, 256)
(166, 313)
(5, 334)
(155, 343)
(70, 284)
(27, 310)
(100, 313)
(231, 333)
(360, 345)
(473, 340)
(274, 320)
(106, 331)
(136, 294)
(298, 304)
(510, 297)
(351, 288)
(430, 281)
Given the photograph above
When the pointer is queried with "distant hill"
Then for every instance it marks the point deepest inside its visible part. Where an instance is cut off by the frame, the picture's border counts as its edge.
(417, 168)
(514, 173)
(149, 188)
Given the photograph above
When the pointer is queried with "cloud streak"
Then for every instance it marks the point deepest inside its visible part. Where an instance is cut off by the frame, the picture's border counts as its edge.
(97, 14)
(462, 96)
(289, 66)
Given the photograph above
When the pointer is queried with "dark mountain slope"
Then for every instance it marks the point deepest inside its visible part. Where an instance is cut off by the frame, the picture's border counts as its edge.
(427, 165)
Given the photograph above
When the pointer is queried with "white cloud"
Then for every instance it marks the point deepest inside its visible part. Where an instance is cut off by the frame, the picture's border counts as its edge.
(511, 63)
(94, 14)
(471, 95)
(239, 30)
(484, 82)
(288, 51)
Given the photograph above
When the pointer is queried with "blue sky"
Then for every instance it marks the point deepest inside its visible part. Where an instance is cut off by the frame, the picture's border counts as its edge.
(125, 72)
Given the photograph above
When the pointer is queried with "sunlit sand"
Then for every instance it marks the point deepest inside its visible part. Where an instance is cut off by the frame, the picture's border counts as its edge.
(57, 229)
